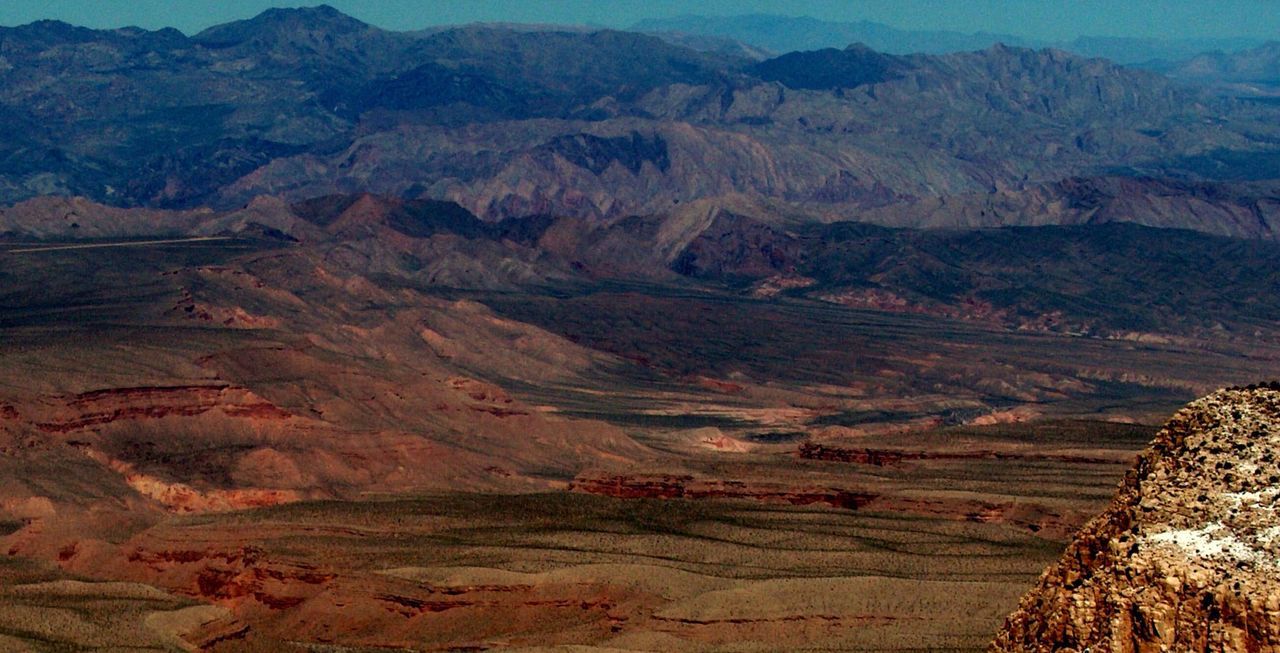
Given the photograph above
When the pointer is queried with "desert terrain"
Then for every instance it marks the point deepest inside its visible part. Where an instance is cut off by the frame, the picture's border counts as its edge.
(326, 337)
(208, 449)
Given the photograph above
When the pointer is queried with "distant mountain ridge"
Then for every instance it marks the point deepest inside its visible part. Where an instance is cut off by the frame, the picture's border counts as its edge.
(603, 124)
(1254, 72)
(779, 34)
(1108, 279)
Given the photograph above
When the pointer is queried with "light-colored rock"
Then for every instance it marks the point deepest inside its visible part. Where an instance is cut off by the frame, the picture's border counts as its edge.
(1186, 557)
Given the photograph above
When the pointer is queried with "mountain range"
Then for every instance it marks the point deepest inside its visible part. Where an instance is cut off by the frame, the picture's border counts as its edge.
(318, 335)
(1248, 73)
(306, 102)
(780, 34)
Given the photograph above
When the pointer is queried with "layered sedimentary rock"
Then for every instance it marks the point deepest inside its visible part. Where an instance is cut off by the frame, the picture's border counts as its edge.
(1035, 518)
(1187, 557)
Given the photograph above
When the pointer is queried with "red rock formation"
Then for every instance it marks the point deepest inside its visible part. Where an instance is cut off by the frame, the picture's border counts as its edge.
(885, 457)
(87, 409)
(1040, 519)
(486, 397)
(688, 487)
(228, 577)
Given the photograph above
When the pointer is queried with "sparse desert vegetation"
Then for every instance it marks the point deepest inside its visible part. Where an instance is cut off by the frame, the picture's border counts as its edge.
(320, 336)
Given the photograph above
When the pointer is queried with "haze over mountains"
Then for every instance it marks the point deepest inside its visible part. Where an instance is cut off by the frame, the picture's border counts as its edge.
(780, 34)
(1250, 73)
(318, 335)
(307, 102)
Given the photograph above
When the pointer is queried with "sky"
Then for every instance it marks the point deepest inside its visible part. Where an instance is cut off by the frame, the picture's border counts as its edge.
(1048, 20)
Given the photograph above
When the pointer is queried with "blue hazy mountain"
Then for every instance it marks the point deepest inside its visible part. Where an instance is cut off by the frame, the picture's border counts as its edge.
(785, 34)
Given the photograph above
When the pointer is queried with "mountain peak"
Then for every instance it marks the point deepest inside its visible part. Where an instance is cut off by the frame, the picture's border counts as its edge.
(860, 47)
(277, 22)
(829, 68)
(1000, 48)
(52, 30)
(316, 13)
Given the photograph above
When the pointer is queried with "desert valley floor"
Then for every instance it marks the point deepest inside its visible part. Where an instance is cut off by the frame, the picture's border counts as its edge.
(717, 491)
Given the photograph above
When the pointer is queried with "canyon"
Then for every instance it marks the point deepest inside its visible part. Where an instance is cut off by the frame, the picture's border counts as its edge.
(318, 336)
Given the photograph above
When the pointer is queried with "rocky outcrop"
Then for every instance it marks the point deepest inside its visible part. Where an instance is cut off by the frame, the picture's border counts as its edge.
(888, 457)
(99, 407)
(1187, 557)
(689, 487)
(232, 576)
(1043, 520)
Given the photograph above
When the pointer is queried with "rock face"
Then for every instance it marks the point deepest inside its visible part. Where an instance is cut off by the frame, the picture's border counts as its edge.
(1187, 558)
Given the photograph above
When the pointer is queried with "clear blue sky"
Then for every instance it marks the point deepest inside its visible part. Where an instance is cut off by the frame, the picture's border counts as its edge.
(1042, 19)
